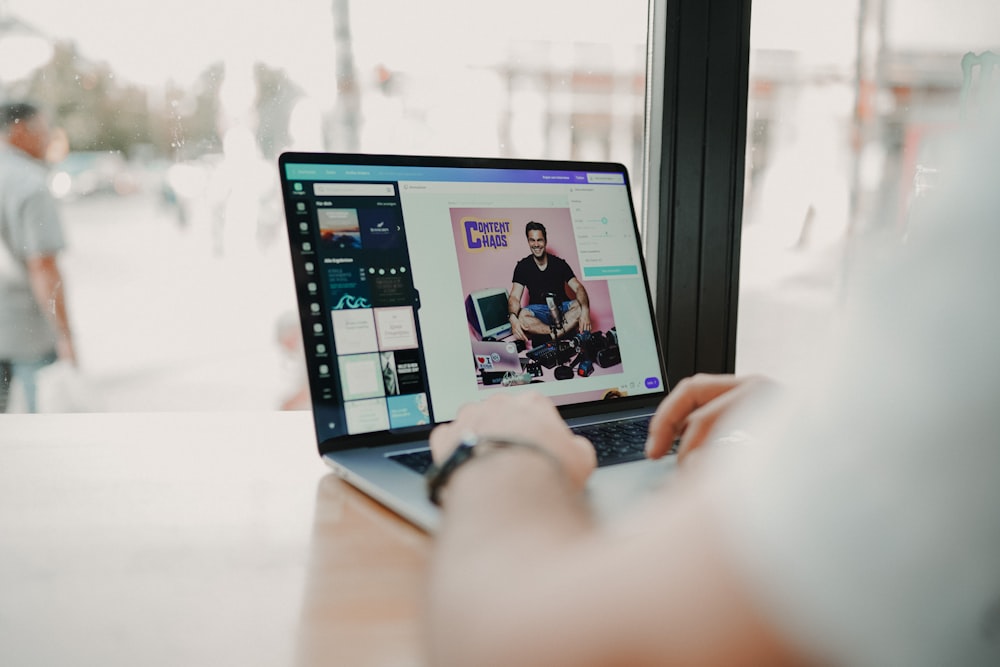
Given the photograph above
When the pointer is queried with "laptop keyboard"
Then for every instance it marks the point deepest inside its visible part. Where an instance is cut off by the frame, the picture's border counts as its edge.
(419, 460)
(618, 441)
(615, 442)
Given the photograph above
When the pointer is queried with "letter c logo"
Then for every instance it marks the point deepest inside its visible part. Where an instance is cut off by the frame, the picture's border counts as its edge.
(472, 240)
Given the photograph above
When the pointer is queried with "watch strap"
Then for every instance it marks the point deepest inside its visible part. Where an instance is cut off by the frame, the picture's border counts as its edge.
(437, 476)
(468, 447)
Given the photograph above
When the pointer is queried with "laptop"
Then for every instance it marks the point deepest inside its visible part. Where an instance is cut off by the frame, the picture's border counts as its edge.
(407, 269)
(497, 357)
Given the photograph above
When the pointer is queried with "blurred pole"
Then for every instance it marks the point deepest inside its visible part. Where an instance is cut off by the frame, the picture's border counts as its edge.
(868, 85)
(5, 24)
(346, 113)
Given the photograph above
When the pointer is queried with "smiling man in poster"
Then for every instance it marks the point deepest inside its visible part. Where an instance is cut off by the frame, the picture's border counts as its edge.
(546, 277)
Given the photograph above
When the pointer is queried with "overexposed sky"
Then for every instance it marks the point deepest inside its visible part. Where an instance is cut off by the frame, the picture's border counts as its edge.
(824, 30)
(151, 41)
(929, 25)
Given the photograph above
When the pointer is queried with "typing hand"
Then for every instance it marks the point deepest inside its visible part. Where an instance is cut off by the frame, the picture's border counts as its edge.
(692, 408)
(526, 416)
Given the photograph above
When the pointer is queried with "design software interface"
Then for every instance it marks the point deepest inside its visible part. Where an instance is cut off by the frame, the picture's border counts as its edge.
(428, 287)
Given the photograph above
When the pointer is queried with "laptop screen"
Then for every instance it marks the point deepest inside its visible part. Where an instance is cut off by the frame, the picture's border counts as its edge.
(425, 283)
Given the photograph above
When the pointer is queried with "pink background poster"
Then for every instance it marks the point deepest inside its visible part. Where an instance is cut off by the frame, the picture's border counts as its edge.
(490, 241)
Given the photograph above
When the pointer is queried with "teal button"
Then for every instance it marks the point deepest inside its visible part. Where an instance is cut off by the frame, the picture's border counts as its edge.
(605, 271)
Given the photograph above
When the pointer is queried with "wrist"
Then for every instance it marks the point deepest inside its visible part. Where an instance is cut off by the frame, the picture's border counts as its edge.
(475, 447)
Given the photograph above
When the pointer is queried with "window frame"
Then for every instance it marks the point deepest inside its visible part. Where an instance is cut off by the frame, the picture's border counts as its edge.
(697, 84)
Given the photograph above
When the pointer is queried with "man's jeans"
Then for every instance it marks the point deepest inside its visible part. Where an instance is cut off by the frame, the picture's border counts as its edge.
(25, 373)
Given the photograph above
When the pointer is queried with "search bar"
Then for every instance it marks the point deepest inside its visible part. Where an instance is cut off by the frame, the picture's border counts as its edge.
(354, 189)
(605, 178)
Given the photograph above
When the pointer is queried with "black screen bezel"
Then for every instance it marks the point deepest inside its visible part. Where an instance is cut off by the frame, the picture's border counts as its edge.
(417, 433)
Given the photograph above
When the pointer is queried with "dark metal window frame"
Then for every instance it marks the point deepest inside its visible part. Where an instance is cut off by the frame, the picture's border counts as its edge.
(697, 212)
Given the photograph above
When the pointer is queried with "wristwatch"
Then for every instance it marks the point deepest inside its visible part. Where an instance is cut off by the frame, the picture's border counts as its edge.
(438, 475)
(468, 447)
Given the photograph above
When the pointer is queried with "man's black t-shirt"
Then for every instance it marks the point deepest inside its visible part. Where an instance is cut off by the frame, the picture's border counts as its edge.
(553, 279)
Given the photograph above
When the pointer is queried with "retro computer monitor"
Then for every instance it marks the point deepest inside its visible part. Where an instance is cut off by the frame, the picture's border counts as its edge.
(487, 311)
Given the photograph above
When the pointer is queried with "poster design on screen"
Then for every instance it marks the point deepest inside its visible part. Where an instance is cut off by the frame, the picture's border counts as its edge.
(339, 228)
(565, 327)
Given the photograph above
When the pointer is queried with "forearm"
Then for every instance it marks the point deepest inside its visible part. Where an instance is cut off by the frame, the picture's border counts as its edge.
(523, 575)
(47, 288)
(527, 588)
(509, 519)
(518, 488)
(513, 305)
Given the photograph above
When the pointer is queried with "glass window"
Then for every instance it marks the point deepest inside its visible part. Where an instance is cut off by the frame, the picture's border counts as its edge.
(844, 114)
(168, 119)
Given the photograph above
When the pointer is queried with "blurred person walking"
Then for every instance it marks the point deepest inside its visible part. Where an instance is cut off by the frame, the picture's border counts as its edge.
(34, 327)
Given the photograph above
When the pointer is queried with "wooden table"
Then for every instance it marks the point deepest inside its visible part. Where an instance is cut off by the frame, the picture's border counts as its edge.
(196, 539)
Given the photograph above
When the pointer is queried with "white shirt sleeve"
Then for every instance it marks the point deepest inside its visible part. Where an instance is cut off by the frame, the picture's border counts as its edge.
(865, 516)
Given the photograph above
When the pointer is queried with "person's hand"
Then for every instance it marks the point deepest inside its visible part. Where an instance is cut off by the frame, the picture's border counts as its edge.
(525, 416)
(65, 350)
(585, 324)
(692, 408)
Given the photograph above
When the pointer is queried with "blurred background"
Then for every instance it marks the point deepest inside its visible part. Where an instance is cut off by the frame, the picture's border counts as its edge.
(170, 118)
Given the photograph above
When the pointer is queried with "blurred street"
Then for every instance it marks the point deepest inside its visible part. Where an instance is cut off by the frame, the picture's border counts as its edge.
(172, 317)
(165, 322)
(173, 312)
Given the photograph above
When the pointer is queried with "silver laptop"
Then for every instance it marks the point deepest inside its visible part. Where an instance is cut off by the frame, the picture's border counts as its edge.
(407, 270)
